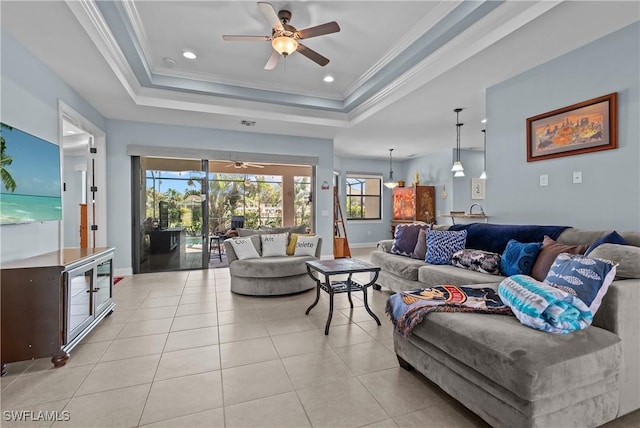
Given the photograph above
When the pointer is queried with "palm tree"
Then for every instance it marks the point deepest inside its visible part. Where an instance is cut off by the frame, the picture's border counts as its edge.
(5, 160)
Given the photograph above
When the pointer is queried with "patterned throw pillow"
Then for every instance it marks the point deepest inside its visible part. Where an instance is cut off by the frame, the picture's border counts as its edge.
(406, 237)
(477, 260)
(518, 258)
(584, 277)
(244, 248)
(442, 244)
(274, 244)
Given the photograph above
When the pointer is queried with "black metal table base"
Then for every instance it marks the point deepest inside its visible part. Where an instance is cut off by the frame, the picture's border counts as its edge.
(338, 287)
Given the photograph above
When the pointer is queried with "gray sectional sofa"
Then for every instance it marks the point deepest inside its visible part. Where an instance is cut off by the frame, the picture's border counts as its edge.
(515, 376)
(268, 276)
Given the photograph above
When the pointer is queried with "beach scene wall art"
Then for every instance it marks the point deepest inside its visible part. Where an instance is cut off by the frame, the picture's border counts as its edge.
(30, 189)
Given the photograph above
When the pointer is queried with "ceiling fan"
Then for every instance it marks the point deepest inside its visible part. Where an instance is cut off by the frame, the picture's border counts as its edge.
(240, 164)
(285, 38)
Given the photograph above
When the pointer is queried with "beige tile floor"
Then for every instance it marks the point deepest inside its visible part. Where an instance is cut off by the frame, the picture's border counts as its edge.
(181, 350)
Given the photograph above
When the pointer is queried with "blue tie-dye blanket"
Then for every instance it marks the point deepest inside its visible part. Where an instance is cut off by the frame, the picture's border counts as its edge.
(543, 307)
(408, 308)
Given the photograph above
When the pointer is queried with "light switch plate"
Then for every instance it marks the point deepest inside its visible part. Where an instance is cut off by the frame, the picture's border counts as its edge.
(577, 177)
(544, 180)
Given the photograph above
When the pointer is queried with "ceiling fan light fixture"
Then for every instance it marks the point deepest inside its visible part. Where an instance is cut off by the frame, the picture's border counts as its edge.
(284, 45)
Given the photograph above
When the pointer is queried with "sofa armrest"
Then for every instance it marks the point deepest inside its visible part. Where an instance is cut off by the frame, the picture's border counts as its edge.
(231, 253)
(385, 245)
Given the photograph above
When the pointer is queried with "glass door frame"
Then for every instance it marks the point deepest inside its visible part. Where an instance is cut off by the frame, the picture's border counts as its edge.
(138, 186)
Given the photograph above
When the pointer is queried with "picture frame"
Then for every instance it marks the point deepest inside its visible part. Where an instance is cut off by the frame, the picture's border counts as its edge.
(477, 188)
(584, 127)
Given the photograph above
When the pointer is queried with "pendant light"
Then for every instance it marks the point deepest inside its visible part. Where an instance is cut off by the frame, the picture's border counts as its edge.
(457, 165)
(390, 184)
(483, 176)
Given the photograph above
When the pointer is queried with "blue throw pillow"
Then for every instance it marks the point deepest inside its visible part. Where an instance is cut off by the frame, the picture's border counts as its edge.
(518, 258)
(586, 278)
(442, 244)
(612, 238)
(406, 238)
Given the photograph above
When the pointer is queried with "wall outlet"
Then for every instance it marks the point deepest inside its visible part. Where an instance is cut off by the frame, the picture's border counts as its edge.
(577, 177)
(544, 180)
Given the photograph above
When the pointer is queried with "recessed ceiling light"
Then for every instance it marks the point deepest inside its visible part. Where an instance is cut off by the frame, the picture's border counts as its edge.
(328, 78)
(484, 121)
(189, 55)
(71, 132)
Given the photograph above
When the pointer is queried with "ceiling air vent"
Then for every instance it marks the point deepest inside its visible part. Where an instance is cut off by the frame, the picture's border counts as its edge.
(248, 122)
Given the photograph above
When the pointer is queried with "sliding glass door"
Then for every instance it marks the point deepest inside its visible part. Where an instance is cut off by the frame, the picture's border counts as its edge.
(173, 215)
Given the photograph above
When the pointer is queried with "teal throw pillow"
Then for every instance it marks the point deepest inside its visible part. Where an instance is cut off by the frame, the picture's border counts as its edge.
(518, 257)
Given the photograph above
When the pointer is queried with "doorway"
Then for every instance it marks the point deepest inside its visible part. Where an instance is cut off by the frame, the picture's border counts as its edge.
(183, 209)
(172, 214)
(84, 176)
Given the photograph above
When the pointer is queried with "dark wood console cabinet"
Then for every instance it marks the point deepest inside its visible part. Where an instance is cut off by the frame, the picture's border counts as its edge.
(52, 301)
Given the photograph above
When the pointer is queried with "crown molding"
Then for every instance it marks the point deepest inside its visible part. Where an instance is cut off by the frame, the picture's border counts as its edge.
(162, 98)
(93, 23)
(506, 19)
(417, 31)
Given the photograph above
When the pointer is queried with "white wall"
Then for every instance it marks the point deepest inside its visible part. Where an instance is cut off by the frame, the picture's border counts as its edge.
(120, 134)
(609, 197)
(30, 93)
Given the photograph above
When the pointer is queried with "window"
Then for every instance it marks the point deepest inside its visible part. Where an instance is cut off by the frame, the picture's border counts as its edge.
(302, 200)
(256, 197)
(364, 200)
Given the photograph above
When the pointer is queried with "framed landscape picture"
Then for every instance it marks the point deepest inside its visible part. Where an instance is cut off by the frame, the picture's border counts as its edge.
(585, 127)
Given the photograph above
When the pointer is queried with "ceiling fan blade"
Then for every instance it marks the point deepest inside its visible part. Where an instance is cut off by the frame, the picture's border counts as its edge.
(253, 165)
(270, 13)
(312, 55)
(246, 38)
(319, 30)
(272, 61)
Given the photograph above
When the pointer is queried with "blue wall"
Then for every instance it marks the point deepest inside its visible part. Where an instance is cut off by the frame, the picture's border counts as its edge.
(609, 196)
(30, 94)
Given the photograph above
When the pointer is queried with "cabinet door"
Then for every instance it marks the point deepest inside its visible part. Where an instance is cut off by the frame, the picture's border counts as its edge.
(103, 286)
(79, 313)
(425, 204)
(404, 205)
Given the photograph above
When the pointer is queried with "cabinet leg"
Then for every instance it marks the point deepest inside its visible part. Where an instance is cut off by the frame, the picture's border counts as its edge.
(110, 312)
(4, 369)
(377, 287)
(60, 360)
